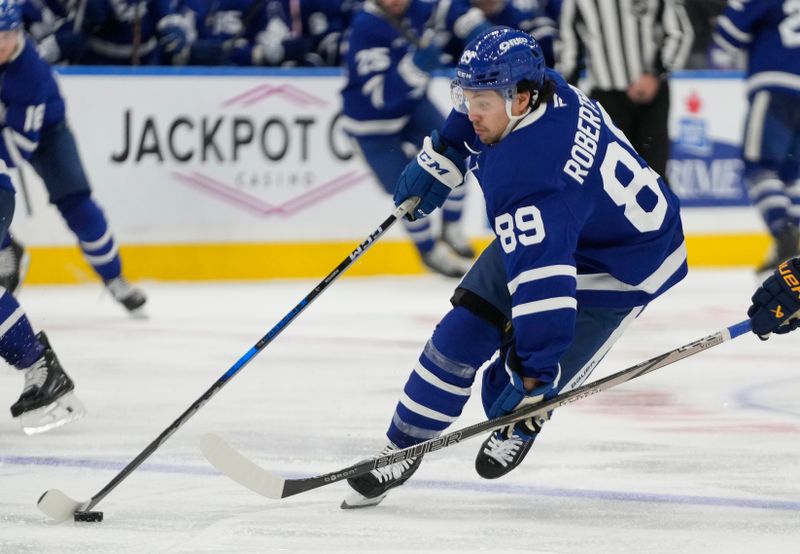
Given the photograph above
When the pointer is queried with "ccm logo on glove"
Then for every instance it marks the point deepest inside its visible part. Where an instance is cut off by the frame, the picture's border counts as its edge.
(431, 164)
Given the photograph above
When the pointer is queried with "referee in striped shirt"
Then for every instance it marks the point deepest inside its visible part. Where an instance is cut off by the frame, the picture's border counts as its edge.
(627, 47)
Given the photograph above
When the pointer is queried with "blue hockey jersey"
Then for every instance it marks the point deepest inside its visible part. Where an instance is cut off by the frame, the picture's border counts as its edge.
(526, 15)
(579, 215)
(383, 84)
(31, 102)
(126, 31)
(769, 31)
(272, 32)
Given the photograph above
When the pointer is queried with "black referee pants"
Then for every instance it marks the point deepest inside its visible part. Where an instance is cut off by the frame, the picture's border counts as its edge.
(645, 125)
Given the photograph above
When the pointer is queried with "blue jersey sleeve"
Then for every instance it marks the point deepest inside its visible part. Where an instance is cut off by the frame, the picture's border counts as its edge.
(735, 25)
(26, 84)
(386, 77)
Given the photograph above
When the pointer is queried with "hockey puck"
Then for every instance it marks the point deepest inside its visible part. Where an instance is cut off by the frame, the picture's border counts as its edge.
(94, 517)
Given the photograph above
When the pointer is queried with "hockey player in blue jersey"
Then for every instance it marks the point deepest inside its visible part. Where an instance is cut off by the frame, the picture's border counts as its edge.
(528, 15)
(47, 398)
(586, 236)
(392, 49)
(132, 32)
(769, 32)
(267, 32)
(34, 128)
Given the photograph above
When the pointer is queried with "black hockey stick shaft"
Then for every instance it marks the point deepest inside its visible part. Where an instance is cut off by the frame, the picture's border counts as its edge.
(399, 212)
(296, 486)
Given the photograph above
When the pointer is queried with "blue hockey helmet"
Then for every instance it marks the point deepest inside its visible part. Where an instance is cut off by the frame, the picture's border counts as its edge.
(10, 15)
(498, 59)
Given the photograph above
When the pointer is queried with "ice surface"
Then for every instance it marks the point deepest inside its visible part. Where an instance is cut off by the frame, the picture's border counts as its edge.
(701, 456)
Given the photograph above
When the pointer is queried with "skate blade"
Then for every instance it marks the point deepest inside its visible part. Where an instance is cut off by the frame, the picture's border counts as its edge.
(24, 263)
(354, 501)
(139, 313)
(63, 410)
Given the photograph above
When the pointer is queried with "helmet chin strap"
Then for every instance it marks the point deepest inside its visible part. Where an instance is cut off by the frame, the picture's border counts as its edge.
(513, 120)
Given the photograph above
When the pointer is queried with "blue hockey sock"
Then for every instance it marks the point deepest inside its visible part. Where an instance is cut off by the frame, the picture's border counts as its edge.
(420, 232)
(439, 386)
(454, 205)
(18, 344)
(794, 195)
(87, 221)
(768, 193)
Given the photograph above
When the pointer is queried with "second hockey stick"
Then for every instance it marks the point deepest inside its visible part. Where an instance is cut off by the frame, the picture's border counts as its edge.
(242, 470)
(61, 507)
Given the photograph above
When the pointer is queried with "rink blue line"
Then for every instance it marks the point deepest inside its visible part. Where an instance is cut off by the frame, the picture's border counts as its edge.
(618, 496)
(745, 395)
(497, 488)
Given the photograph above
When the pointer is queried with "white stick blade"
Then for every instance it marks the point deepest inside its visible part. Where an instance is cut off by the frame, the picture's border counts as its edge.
(58, 505)
(230, 462)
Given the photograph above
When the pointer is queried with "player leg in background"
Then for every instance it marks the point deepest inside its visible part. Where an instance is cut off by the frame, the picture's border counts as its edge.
(651, 135)
(14, 261)
(387, 158)
(440, 383)
(47, 398)
(57, 162)
(424, 118)
(644, 125)
(769, 141)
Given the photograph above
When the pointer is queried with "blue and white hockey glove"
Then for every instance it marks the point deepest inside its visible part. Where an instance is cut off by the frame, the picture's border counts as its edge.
(437, 169)
(514, 396)
(175, 34)
(776, 303)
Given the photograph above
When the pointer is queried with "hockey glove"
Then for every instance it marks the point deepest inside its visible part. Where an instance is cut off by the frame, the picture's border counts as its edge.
(514, 396)
(776, 303)
(436, 171)
(175, 34)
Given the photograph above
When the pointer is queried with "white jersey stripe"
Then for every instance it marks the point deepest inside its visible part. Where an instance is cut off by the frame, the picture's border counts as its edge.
(606, 282)
(541, 273)
(432, 379)
(418, 408)
(548, 305)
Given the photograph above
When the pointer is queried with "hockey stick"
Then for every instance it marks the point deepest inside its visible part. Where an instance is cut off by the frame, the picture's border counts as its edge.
(236, 466)
(19, 161)
(60, 507)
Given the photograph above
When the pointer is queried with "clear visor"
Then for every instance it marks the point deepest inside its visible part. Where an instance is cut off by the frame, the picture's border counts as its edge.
(480, 104)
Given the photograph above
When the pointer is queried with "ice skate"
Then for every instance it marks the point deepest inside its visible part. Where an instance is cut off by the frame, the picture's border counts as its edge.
(785, 246)
(442, 259)
(371, 488)
(14, 262)
(47, 399)
(453, 235)
(133, 298)
(506, 448)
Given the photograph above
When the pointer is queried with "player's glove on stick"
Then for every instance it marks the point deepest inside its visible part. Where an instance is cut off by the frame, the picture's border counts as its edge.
(776, 303)
(436, 171)
(514, 396)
